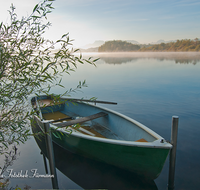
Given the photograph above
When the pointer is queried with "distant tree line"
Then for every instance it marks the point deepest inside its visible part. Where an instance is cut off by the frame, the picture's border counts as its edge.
(179, 45)
(118, 46)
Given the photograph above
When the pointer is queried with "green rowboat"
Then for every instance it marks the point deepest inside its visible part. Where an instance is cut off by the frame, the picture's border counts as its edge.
(102, 134)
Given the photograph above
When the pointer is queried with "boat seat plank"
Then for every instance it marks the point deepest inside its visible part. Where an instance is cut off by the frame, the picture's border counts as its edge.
(59, 117)
(81, 120)
(62, 119)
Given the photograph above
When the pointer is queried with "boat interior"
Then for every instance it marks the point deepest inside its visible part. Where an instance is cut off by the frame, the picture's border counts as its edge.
(84, 128)
(73, 122)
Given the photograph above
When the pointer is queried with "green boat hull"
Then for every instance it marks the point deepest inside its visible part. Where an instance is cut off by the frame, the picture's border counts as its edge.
(147, 162)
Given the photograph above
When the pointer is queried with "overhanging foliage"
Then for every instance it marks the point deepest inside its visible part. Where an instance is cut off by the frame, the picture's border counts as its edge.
(28, 66)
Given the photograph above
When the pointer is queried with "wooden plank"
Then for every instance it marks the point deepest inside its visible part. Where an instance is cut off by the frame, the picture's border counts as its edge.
(62, 119)
(81, 120)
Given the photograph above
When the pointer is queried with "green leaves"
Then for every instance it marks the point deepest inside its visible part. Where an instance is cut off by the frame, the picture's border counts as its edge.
(36, 6)
(30, 65)
(65, 35)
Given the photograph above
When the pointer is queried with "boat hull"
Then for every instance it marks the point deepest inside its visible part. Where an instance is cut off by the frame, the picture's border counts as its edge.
(144, 159)
(147, 162)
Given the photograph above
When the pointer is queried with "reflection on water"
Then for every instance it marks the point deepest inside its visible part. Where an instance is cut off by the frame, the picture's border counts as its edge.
(124, 57)
(117, 60)
(187, 61)
(9, 157)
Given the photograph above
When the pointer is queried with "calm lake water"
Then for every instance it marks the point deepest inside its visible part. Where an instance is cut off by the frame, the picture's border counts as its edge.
(148, 87)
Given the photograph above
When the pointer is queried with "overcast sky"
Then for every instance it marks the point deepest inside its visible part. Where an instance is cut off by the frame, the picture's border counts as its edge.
(145, 21)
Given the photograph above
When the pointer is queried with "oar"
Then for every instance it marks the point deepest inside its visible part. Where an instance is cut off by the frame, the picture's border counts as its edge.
(94, 101)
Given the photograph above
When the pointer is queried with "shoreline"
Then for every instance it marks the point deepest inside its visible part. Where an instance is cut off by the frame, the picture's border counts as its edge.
(181, 55)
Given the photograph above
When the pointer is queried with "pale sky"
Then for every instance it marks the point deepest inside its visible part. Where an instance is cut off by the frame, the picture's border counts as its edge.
(145, 21)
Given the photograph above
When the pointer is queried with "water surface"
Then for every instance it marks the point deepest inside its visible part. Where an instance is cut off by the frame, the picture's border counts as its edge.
(148, 87)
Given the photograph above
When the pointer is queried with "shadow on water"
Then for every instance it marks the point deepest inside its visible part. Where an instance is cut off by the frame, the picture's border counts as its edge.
(90, 174)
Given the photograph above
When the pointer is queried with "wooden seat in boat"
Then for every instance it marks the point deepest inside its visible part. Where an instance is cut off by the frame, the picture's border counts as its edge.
(82, 119)
(60, 118)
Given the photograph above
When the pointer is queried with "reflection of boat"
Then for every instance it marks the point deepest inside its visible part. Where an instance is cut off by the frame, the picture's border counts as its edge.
(104, 135)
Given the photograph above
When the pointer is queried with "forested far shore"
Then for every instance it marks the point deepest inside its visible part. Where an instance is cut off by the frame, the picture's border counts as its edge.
(118, 46)
(178, 46)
